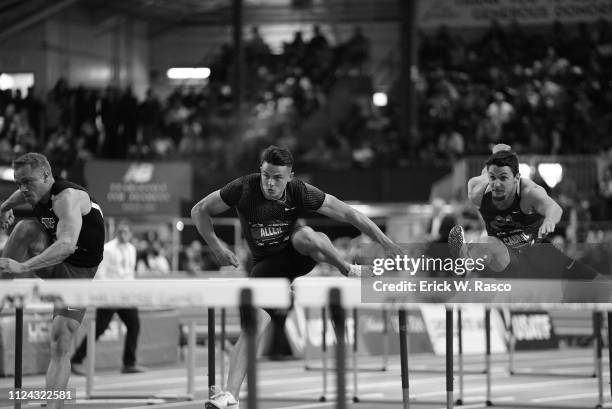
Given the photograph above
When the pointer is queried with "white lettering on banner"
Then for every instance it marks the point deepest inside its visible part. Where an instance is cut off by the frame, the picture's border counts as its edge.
(472, 327)
(315, 332)
(139, 173)
(38, 332)
(531, 327)
(479, 13)
(143, 193)
(415, 324)
(113, 332)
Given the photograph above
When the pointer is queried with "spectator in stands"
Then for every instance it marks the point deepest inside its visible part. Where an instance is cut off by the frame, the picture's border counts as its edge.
(194, 258)
(357, 49)
(257, 51)
(500, 111)
(154, 261)
(113, 147)
(605, 192)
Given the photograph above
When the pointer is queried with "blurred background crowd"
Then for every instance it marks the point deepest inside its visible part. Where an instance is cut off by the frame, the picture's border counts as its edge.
(546, 91)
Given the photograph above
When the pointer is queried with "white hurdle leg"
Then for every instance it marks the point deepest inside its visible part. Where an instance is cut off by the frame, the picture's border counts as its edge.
(222, 348)
(488, 355)
(460, 355)
(323, 397)
(250, 328)
(385, 339)
(191, 356)
(91, 357)
(338, 317)
(598, 343)
(594, 324)
(355, 352)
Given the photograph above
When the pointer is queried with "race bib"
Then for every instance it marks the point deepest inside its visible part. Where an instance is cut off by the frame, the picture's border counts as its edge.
(515, 240)
(270, 234)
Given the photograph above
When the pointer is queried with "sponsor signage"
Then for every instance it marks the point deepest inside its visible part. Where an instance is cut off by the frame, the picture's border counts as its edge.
(308, 341)
(124, 188)
(533, 330)
(480, 13)
(472, 329)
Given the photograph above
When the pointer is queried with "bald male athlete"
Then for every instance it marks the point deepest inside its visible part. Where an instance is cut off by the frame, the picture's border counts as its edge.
(66, 240)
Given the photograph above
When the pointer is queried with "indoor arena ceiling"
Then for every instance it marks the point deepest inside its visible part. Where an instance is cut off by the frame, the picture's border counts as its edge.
(166, 14)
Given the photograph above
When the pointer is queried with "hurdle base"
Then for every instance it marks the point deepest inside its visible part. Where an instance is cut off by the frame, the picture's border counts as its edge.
(442, 370)
(512, 404)
(356, 399)
(553, 374)
(128, 396)
(366, 369)
(459, 402)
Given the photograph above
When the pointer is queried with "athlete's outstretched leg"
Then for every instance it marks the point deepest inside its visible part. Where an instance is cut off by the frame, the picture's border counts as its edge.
(490, 250)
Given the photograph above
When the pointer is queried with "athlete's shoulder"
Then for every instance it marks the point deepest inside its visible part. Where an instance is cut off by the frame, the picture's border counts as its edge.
(296, 183)
(477, 187)
(532, 195)
(529, 187)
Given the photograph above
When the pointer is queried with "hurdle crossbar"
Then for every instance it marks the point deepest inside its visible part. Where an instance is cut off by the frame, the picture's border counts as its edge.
(225, 293)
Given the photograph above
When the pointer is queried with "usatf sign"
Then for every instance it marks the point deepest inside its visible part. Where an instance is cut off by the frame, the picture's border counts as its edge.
(125, 188)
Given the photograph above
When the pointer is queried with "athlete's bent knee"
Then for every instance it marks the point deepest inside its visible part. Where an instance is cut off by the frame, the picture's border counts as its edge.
(306, 239)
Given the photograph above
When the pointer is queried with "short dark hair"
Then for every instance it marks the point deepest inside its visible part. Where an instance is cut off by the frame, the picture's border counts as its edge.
(504, 158)
(277, 156)
(34, 160)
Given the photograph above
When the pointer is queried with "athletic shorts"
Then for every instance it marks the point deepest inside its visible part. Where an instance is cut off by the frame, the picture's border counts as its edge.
(545, 261)
(65, 270)
(288, 263)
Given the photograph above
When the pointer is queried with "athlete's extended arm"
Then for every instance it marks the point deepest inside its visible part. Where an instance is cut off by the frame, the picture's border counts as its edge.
(340, 211)
(67, 206)
(6, 208)
(538, 199)
(201, 214)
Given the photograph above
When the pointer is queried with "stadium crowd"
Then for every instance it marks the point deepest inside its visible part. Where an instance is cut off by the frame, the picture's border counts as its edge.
(546, 91)
(553, 96)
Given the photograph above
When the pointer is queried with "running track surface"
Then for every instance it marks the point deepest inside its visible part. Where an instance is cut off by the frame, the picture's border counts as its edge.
(288, 380)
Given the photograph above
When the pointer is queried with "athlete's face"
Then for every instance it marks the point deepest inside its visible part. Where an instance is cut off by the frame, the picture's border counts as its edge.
(274, 179)
(502, 182)
(34, 184)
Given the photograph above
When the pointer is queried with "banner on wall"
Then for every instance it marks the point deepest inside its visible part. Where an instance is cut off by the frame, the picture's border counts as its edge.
(473, 329)
(533, 330)
(304, 332)
(480, 13)
(124, 188)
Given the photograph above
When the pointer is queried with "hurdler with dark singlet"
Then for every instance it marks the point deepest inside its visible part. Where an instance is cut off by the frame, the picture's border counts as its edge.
(519, 215)
(269, 204)
(65, 241)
